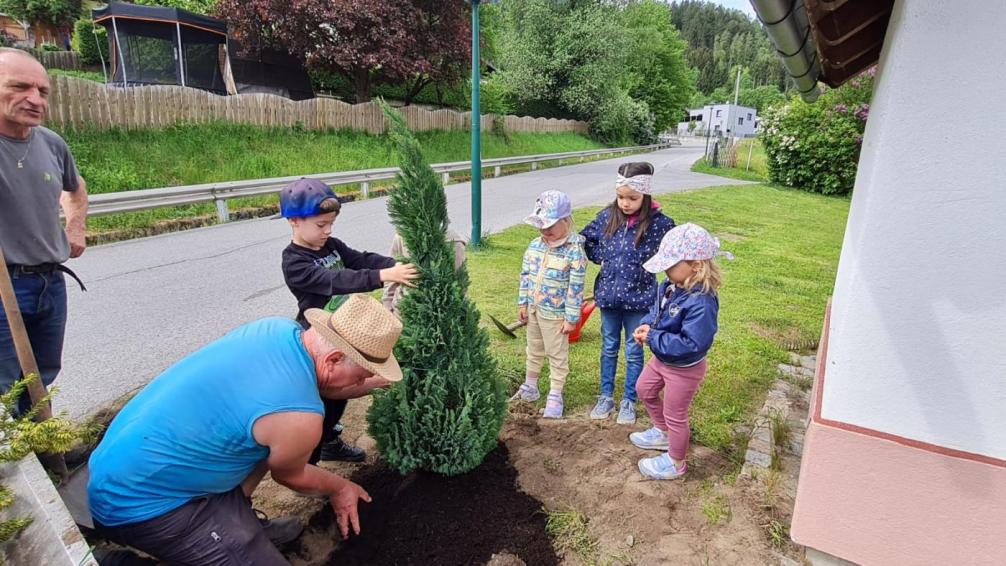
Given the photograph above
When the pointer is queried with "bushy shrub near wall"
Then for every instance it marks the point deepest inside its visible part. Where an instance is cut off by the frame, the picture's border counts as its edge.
(815, 146)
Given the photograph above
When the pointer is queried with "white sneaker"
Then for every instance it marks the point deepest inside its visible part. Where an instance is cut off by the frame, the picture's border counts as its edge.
(661, 468)
(650, 439)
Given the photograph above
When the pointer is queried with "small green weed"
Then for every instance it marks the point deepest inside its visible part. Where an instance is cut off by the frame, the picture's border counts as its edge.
(568, 528)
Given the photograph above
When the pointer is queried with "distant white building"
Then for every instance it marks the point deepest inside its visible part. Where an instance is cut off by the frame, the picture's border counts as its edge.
(721, 119)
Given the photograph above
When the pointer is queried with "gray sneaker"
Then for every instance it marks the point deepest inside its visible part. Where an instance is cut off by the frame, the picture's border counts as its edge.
(603, 409)
(553, 406)
(526, 393)
(626, 412)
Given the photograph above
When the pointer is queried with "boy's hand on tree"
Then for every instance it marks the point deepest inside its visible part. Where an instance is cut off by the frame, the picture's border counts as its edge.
(568, 327)
(344, 502)
(402, 273)
(522, 314)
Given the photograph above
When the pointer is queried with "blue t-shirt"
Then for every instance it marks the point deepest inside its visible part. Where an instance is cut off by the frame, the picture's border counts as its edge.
(189, 432)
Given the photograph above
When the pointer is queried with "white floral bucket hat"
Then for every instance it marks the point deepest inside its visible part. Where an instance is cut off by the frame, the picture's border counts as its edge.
(684, 243)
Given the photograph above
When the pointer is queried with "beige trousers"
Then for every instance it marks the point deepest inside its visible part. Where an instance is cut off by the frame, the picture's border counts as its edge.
(545, 339)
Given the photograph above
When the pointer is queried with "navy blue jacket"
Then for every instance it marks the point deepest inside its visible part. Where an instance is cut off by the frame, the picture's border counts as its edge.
(681, 332)
(622, 282)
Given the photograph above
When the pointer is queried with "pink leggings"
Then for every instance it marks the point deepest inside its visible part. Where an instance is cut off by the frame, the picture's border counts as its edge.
(671, 413)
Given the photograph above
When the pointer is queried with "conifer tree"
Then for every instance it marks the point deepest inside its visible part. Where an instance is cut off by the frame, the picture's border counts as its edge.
(446, 413)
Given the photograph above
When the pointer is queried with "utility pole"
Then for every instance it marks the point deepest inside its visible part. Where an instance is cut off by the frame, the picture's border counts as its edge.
(476, 174)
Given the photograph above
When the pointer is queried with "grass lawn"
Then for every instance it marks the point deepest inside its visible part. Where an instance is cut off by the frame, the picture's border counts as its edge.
(786, 244)
(120, 160)
(758, 170)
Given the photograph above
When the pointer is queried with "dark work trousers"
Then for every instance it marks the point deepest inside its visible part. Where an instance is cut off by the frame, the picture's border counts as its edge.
(42, 300)
(213, 530)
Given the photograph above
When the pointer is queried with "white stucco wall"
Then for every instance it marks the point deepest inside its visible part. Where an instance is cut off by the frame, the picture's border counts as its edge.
(918, 335)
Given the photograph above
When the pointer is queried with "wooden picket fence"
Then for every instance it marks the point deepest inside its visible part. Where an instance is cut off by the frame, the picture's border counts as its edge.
(77, 102)
(68, 60)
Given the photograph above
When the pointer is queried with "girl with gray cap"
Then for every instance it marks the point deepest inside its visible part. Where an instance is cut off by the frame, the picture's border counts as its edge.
(551, 294)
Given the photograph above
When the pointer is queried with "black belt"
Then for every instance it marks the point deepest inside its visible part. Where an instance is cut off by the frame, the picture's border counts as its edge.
(45, 269)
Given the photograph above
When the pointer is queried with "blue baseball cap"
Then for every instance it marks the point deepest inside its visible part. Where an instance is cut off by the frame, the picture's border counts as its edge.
(303, 198)
(551, 207)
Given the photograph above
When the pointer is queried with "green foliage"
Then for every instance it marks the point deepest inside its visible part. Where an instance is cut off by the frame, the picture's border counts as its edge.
(86, 75)
(815, 147)
(446, 413)
(657, 73)
(720, 39)
(197, 6)
(494, 96)
(55, 12)
(618, 66)
(90, 49)
(119, 160)
(568, 528)
(623, 120)
(23, 435)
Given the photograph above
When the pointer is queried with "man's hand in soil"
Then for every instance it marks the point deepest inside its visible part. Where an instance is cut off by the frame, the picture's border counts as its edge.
(291, 437)
(345, 502)
(403, 273)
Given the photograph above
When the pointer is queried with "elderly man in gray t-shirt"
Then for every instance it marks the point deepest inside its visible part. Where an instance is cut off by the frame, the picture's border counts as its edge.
(37, 176)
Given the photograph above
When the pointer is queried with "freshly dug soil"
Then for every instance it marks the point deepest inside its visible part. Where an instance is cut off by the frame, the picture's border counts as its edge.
(425, 519)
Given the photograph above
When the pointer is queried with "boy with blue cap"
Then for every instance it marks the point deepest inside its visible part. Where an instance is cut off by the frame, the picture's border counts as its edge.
(321, 272)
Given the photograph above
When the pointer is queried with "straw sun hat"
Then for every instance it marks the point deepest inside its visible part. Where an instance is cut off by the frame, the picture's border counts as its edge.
(363, 330)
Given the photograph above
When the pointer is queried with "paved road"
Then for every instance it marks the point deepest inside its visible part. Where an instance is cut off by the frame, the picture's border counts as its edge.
(150, 301)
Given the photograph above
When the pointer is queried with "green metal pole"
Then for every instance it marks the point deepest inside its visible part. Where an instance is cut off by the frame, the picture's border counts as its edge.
(476, 132)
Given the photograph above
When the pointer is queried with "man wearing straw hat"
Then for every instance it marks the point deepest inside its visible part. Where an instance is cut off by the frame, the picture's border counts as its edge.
(174, 473)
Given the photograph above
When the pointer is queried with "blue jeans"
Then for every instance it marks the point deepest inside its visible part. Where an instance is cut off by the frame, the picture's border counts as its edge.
(613, 322)
(42, 300)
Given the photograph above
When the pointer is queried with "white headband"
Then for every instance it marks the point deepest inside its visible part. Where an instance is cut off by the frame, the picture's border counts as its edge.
(638, 183)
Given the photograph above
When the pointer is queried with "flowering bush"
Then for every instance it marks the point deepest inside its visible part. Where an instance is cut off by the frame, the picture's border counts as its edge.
(815, 147)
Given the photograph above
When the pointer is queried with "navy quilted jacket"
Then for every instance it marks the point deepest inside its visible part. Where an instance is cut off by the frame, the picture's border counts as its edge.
(622, 282)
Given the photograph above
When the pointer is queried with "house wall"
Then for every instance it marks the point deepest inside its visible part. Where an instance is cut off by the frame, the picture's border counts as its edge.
(905, 456)
(726, 120)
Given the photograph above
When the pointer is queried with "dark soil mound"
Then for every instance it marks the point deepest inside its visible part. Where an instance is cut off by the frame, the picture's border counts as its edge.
(431, 519)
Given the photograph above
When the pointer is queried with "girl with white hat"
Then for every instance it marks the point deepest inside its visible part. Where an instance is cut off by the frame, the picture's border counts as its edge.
(679, 330)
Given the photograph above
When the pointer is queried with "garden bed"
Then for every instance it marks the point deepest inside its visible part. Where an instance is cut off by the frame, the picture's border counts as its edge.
(425, 518)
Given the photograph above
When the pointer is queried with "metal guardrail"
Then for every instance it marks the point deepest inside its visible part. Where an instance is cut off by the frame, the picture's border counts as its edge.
(220, 193)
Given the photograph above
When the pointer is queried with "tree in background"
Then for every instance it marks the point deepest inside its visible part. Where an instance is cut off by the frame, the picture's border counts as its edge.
(443, 47)
(90, 42)
(446, 413)
(367, 42)
(617, 65)
(721, 39)
(657, 71)
(54, 12)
